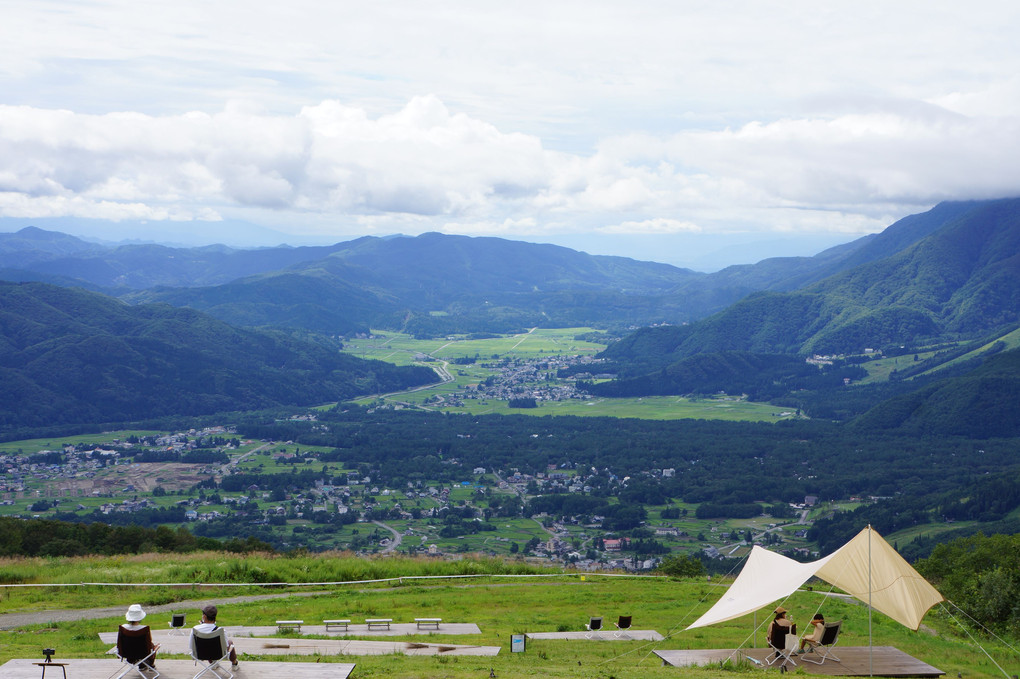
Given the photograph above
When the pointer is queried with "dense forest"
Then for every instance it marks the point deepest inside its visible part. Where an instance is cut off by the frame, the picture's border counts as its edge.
(724, 464)
(981, 575)
(70, 356)
(48, 537)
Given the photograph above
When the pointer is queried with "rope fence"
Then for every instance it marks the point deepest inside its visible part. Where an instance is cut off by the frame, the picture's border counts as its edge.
(398, 579)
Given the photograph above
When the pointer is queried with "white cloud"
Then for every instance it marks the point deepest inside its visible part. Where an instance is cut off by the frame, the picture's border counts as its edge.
(646, 226)
(428, 168)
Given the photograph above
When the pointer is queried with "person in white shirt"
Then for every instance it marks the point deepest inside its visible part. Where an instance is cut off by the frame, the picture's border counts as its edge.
(810, 640)
(208, 624)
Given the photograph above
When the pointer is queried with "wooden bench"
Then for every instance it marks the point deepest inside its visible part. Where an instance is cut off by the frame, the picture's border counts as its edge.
(339, 624)
(432, 623)
(289, 625)
(378, 622)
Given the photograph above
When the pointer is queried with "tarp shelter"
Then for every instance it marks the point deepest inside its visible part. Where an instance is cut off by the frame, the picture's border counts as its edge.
(867, 568)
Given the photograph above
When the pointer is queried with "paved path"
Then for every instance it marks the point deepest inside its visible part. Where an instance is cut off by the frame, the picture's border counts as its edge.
(12, 620)
(395, 543)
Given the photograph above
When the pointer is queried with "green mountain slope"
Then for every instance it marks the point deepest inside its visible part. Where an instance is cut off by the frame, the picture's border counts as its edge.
(981, 404)
(320, 303)
(962, 280)
(70, 356)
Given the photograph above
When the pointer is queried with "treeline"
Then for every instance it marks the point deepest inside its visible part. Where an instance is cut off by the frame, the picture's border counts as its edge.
(762, 377)
(200, 456)
(48, 537)
(989, 501)
(981, 575)
(614, 517)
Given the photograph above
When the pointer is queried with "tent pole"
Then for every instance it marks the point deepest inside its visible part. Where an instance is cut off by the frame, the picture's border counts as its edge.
(871, 643)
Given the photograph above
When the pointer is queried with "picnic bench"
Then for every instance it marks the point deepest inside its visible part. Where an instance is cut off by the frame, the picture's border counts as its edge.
(378, 622)
(339, 624)
(428, 623)
(291, 625)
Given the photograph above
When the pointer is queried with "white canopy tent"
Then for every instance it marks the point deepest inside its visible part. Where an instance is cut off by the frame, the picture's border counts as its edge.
(867, 568)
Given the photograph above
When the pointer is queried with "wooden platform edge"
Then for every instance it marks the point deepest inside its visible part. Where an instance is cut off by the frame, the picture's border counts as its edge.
(853, 661)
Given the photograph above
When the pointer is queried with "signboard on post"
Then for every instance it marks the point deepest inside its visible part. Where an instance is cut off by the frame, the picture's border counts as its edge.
(517, 643)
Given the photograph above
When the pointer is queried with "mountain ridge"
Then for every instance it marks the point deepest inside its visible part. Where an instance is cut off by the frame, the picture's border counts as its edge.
(73, 356)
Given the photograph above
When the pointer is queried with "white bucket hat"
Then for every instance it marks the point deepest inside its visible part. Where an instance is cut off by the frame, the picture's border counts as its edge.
(134, 613)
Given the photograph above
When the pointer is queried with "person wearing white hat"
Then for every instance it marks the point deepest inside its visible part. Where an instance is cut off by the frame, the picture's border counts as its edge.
(134, 617)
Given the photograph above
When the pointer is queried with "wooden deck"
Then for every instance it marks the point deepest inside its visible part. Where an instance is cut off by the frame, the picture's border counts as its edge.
(180, 669)
(855, 661)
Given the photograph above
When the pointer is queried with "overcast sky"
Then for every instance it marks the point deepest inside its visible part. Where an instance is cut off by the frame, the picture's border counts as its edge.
(695, 133)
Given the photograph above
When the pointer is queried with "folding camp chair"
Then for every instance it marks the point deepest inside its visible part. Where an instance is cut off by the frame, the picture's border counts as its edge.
(824, 649)
(594, 625)
(176, 623)
(622, 625)
(133, 648)
(782, 641)
(211, 647)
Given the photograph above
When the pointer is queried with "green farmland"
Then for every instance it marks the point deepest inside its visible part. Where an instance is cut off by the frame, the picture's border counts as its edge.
(468, 364)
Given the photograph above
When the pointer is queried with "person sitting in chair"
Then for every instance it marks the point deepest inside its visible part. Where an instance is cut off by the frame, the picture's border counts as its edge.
(208, 624)
(133, 627)
(779, 621)
(814, 635)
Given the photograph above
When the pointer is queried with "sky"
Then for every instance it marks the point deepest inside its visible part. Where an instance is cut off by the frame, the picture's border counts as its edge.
(695, 133)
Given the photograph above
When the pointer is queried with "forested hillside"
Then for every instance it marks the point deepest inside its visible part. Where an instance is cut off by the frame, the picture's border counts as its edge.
(479, 284)
(959, 281)
(979, 404)
(70, 356)
(962, 280)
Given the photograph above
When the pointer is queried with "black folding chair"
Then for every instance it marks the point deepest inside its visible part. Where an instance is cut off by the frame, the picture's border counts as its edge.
(777, 642)
(176, 623)
(594, 625)
(134, 647)
(211, 647)
(824, 649)
(622, 625)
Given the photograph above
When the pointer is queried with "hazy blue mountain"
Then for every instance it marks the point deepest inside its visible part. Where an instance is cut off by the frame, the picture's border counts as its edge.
(498, 285)
(478, 284)
(30, 245)
(141, 266)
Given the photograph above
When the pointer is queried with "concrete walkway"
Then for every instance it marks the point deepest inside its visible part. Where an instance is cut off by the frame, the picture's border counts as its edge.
(177, 669)
(605, 635)
(248, 644)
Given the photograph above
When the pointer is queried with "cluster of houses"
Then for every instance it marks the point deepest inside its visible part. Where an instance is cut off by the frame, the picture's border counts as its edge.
(530, 378)
(584, 547)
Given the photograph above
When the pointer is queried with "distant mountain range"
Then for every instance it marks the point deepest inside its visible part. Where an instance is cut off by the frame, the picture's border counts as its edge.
(948, 275)
(497, 285)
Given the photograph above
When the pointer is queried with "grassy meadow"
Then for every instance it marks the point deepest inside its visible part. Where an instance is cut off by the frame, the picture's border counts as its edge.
(500, 606)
